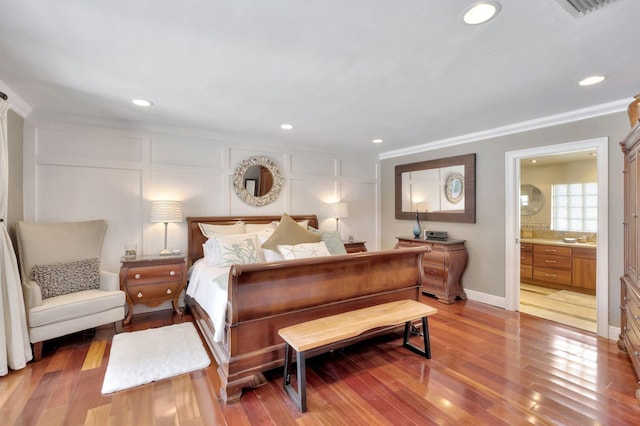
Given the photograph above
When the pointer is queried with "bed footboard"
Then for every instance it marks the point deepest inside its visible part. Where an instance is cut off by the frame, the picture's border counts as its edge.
(266, 297)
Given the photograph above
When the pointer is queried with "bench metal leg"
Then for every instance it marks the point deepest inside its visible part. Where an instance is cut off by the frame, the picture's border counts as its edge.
(300, 397)
(425, 334)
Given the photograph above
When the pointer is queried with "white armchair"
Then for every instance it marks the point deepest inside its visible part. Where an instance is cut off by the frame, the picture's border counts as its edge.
(69, 293)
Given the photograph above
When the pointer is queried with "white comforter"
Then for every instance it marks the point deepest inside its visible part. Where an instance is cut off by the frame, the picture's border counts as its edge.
(208, 285)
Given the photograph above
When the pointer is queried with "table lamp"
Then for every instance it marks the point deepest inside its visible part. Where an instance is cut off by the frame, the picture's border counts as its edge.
(164, 211)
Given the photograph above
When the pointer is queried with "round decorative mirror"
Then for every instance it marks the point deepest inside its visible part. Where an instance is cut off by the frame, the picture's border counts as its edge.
(531, 200)
(257, 181)
(454, 188)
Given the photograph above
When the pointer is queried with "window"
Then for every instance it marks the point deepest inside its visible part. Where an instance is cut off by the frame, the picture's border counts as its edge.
(574, 207)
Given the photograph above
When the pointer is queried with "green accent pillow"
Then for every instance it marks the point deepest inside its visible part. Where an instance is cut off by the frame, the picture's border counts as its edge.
(332, 239)
(289, 233)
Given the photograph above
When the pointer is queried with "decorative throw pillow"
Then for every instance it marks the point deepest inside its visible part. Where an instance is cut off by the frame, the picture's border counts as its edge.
(63, 278)
(303, 223)
(289, 233)
(333, 239)
(237, 249)
(215, 230)
(304, 250)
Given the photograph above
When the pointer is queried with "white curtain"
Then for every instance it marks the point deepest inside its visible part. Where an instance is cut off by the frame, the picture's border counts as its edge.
(15, 350)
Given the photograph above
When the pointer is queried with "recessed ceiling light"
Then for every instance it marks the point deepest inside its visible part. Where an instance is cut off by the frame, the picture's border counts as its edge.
(533, 161)
(594, 79)
(142, 102)
(286, 126)
(377, 141)
(481, 12)
(593, 154)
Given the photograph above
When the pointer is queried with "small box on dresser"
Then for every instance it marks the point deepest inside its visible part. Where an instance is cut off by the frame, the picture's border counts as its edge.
(152, 280)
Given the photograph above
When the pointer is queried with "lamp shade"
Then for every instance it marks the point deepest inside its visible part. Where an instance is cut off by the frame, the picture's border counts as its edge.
(166, 211)
(338, 210)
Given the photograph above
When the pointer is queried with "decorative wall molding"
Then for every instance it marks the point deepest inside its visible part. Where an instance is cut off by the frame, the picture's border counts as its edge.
(523, 126)
(16, 103)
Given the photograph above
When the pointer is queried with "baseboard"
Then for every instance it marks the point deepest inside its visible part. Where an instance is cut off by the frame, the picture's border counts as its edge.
(614, 333)
(489, 299)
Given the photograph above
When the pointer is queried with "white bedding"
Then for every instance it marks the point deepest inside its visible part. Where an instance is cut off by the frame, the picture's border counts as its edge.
(208, 286)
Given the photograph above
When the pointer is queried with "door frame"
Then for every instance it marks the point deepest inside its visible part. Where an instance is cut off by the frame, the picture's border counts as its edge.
(512, 222)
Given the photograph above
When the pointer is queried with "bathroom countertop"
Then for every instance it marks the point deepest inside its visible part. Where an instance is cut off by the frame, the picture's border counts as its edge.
(557, 243)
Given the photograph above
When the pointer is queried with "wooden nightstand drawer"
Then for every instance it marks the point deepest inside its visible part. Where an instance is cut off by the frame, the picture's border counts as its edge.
(159, 273)
(355, 246)
(152, 280)
(148, 292)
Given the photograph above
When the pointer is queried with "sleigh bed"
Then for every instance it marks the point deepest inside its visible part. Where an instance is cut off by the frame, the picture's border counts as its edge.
(264, 297)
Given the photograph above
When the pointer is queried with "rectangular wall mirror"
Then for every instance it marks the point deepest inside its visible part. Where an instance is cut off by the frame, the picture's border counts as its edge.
(442, 190)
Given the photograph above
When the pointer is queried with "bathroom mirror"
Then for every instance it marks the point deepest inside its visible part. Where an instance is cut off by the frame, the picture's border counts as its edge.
(531, 199)
(442, 190)
(257, 181)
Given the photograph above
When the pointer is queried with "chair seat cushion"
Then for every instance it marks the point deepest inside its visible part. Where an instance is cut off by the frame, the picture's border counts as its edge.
(74, 305)
(62, 278)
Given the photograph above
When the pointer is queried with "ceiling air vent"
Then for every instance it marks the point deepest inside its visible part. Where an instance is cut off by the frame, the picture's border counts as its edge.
(580, 8)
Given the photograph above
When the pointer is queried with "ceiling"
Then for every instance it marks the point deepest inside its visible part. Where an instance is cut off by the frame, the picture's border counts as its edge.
(343, 72)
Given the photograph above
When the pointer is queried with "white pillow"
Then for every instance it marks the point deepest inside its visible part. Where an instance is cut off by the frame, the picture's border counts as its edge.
(237, 249)
(267, 254)
(257, 227)
(209, 230)
(304, 250)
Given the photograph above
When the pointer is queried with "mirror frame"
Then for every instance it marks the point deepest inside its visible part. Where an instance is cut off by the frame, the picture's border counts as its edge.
(469, 214)
(241, 191)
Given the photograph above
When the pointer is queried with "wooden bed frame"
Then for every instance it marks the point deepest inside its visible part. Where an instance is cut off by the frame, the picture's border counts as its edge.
(262, 298)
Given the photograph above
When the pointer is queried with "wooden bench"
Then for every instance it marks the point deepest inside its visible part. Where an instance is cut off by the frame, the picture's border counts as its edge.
(335, 328)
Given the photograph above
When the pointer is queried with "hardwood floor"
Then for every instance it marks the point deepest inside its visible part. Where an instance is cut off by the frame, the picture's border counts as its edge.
(488, 366)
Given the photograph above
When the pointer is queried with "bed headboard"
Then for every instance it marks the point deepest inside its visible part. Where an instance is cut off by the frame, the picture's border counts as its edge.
(196, 239)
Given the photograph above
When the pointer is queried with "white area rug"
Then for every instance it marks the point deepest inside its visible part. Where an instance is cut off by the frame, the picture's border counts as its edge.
(146, 356)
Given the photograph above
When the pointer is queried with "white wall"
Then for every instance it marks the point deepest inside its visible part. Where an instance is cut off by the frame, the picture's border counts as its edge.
(81, 172)
(485, 239)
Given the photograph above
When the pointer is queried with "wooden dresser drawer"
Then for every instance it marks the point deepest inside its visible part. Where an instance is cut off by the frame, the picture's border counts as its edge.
(554, 250)
(551, 261)
(433, 271)
(160, 273)
(559, 276)
(526, 271)
(526, 258)
(435, 256)
(633, 307)
(442, 267)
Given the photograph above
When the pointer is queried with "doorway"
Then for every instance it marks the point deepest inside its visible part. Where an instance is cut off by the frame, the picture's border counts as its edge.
(513, 221)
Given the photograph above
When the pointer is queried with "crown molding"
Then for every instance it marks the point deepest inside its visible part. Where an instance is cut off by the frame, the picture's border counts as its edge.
(523, 126)
(16, 103)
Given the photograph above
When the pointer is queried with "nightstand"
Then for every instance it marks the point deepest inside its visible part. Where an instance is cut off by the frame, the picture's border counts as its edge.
(152, 280)
(355, 246)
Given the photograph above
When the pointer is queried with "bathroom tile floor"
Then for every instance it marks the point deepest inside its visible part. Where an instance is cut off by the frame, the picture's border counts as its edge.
(563, 306)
